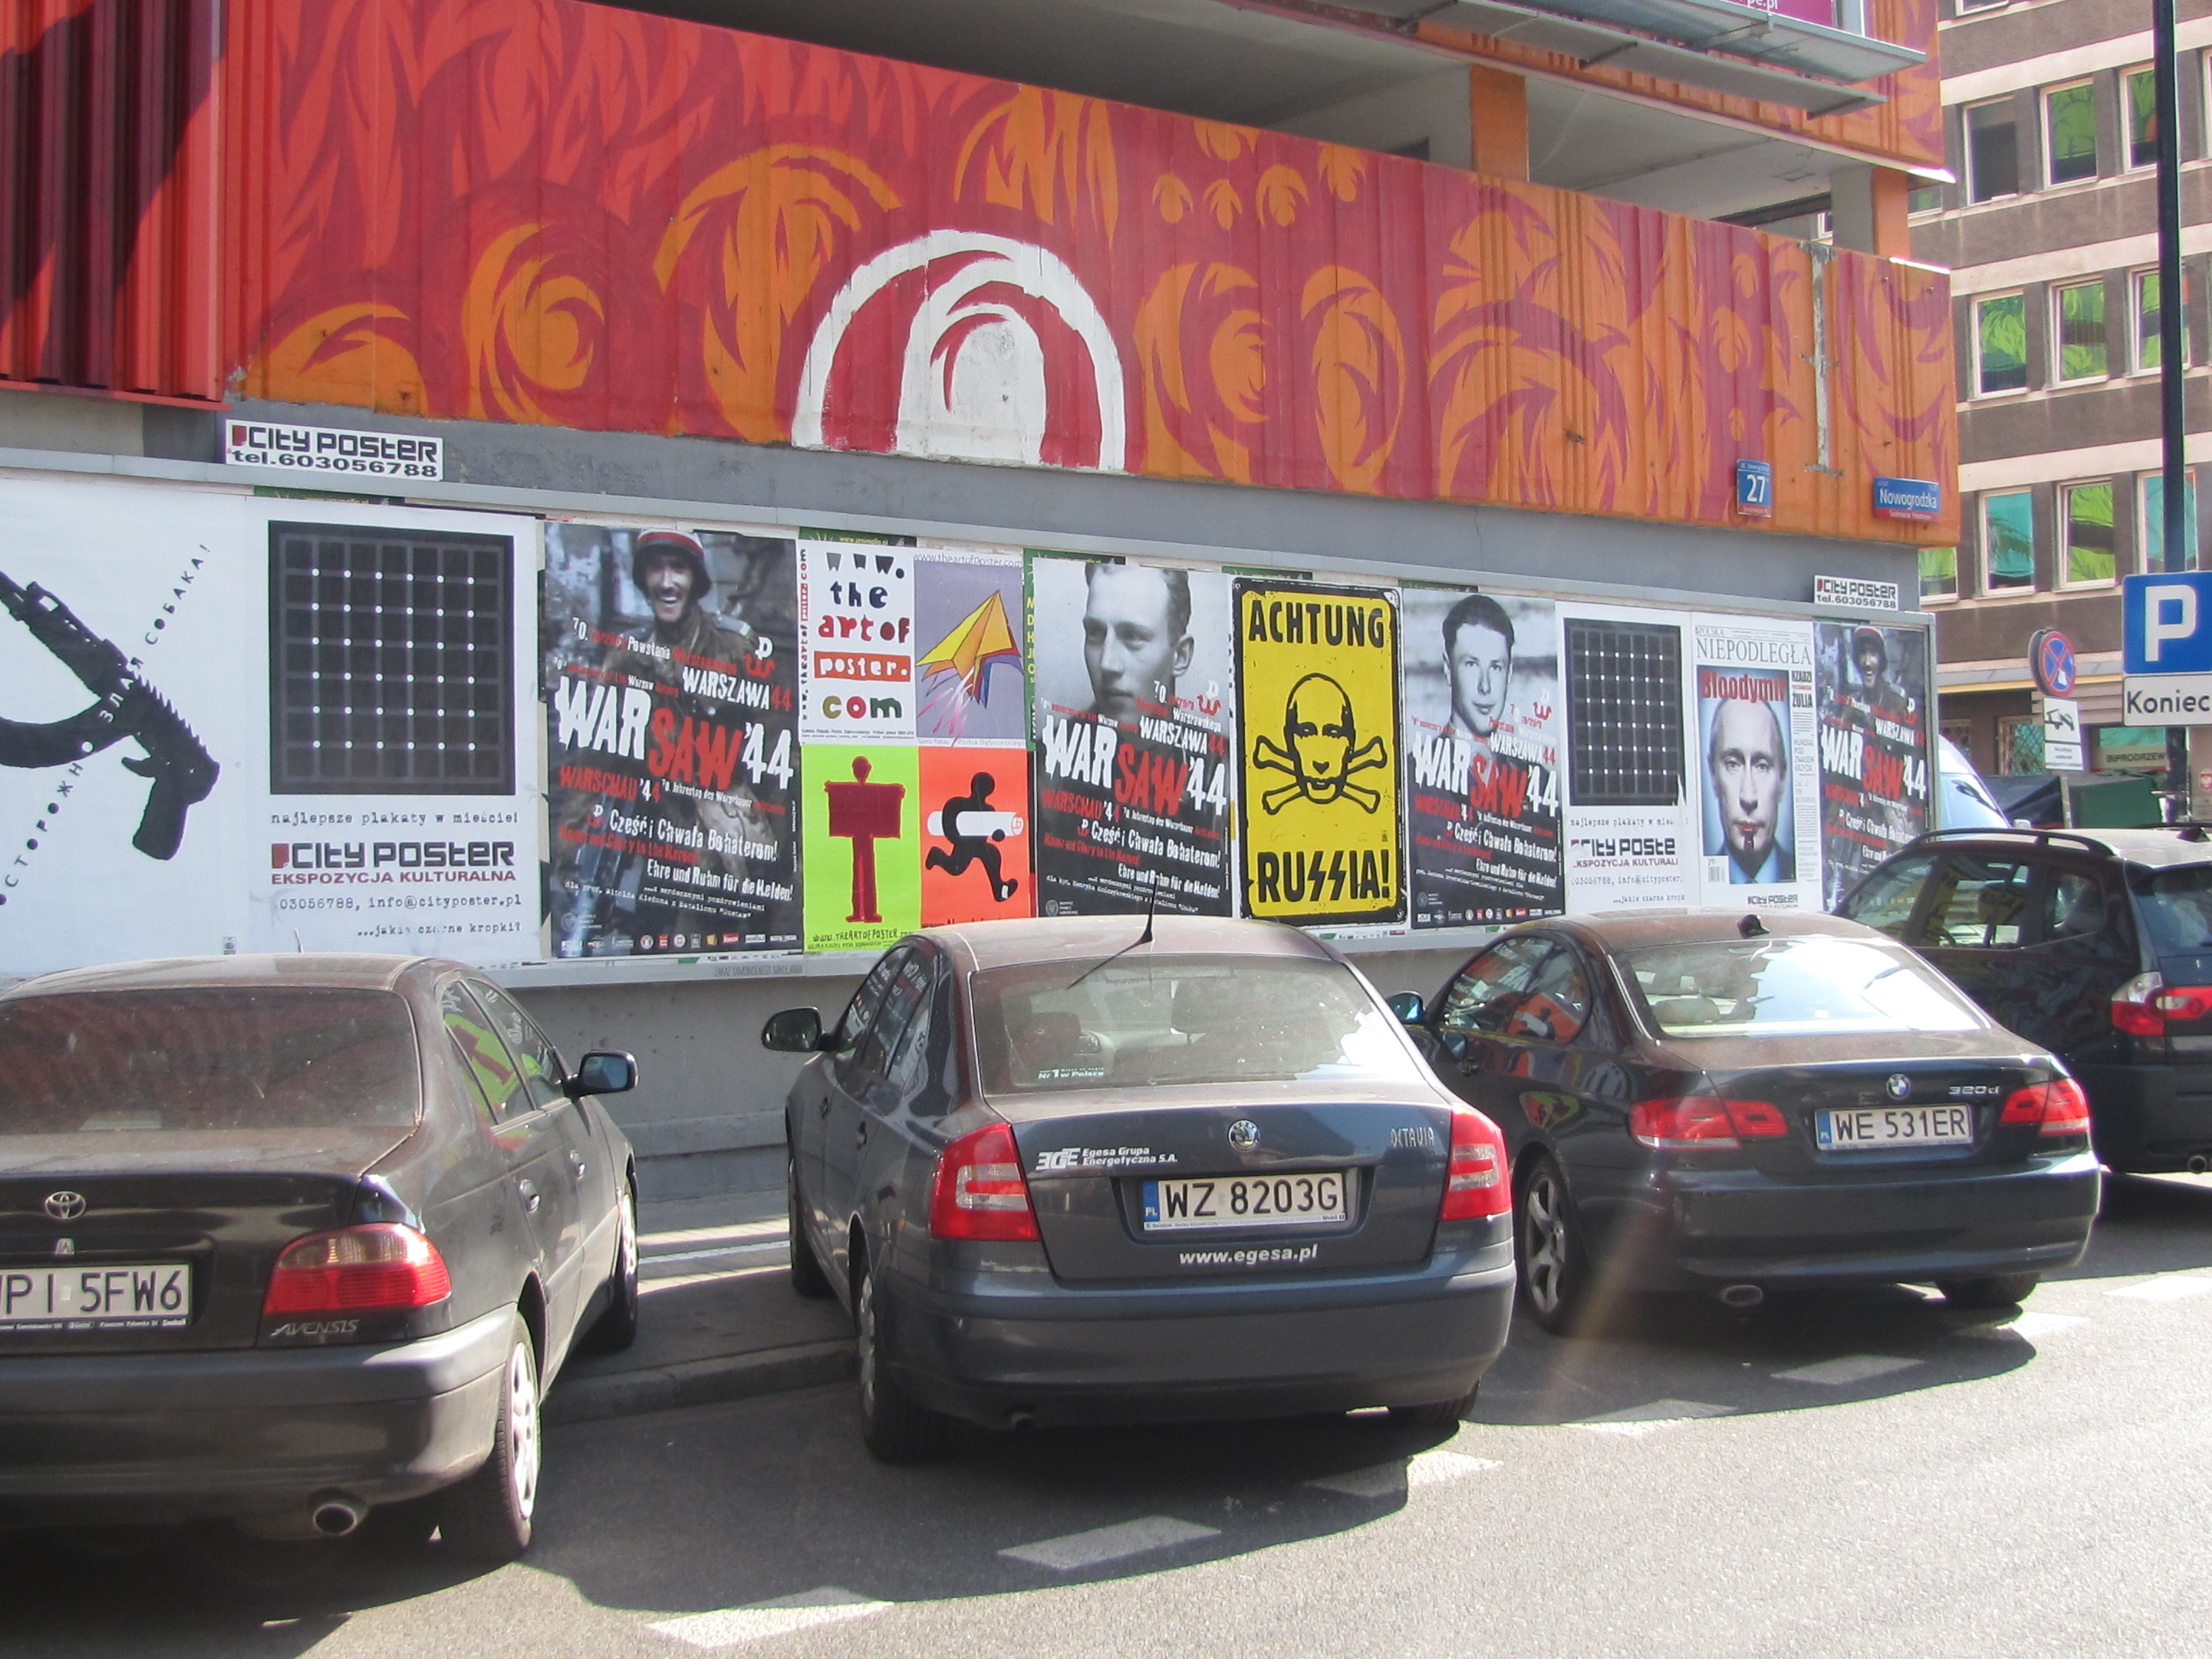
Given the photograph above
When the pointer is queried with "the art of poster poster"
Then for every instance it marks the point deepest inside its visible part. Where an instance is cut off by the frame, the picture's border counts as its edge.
(1134, 724)
(1874, 747)
(1481, 692)
(1317, 691)
(863, 815)
(856, 628)
(975, 835)
(1628, 834)
(1757, 761)
(971, 672)
(670, 669)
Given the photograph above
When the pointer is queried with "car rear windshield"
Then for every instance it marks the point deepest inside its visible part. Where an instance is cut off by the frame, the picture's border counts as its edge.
(145, 1062)
(1793, 987)
(1147, 1020)
(2177, 906)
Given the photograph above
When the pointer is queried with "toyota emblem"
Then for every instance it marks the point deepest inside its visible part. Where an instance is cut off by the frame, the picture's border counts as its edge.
(1243, 1134)
(1901, 1086)
(65, 1207)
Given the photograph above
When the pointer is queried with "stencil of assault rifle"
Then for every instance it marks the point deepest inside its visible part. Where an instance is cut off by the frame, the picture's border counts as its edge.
(182, 769)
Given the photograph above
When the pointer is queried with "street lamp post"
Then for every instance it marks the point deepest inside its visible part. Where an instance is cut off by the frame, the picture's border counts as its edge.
(2173, 411)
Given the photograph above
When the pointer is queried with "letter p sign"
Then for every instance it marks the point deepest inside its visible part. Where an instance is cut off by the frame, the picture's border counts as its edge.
(2170, 613)
(2161, 612)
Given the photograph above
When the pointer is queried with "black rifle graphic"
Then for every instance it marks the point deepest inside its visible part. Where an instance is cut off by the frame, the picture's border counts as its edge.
(182, 769)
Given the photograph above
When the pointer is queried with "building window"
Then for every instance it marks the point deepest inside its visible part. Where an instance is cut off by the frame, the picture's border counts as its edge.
(2143, 284)
(1938, 573)
(1624, 712)
(2153, 542)
(2078, 313)
(2087, 512)
(2140, 93)
(2008, 541)
(2070, 122)
(391, 662)
(1924, 198)
(1992, 151)
(2019, 745)
(2001, 342)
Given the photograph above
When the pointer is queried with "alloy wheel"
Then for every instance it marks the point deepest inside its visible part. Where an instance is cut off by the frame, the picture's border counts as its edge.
(523, 1429)
(1544, 1241)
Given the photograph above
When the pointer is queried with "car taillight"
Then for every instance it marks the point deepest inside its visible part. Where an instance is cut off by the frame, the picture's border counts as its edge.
(2056, 1108)
(978, 1192)
(1704, 1123)
(357, 1270)
(2143, 1006)
(1475, 1186)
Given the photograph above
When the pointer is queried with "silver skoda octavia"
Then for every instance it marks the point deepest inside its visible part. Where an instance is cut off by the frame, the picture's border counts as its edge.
(1109, 1170)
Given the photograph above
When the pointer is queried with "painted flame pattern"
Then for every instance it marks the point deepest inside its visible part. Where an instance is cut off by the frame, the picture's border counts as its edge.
(542, 211)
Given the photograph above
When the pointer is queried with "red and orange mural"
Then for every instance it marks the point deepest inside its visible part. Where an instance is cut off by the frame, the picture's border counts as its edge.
(548, 211)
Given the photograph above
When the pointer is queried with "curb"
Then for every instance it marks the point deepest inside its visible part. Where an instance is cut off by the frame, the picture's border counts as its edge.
(697, 1382)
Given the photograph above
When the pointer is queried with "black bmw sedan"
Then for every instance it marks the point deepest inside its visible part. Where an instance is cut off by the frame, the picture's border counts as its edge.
(1066, 1172)
(286, 1238)
(1741, 1103)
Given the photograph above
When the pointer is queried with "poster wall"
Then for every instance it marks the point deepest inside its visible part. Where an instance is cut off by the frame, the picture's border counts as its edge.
(1627, 838)
(1757, 769)
(1874, 747)
(1134, 722)
(1482, 756)
(1317, 808)
(670, 663)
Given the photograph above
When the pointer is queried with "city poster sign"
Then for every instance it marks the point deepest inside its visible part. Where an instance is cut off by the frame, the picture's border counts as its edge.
(1317, 702)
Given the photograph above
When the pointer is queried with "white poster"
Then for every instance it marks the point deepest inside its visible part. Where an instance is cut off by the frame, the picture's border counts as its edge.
(1628, 819)
(1757, 762)
(856, 643)
(326, 737)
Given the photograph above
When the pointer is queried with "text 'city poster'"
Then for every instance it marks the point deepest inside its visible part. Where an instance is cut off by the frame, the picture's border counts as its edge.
(1317, 694)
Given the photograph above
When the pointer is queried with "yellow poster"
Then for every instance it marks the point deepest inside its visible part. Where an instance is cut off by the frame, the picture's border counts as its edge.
(1317, 706)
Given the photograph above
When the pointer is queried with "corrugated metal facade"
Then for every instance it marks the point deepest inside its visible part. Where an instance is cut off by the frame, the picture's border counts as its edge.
(109, 197)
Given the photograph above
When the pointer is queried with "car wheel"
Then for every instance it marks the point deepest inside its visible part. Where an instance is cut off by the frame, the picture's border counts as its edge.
(1996, 1291)
(1548, 1253)
(616, 1327)
(487, 1517)
(893, 1427)
(1438, 1414)
(806, 1275)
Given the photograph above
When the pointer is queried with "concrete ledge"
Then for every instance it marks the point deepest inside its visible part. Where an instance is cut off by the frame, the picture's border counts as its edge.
(698, 1383)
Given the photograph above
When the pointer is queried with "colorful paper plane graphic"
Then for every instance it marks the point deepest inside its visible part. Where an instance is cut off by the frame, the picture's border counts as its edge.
(977, 641)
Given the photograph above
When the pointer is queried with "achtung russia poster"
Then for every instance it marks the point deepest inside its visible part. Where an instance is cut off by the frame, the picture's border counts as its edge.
(1318, 705)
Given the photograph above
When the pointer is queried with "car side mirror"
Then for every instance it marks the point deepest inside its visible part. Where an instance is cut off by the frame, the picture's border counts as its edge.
(793, 1032)
(604, 1074)
(1407, 1005)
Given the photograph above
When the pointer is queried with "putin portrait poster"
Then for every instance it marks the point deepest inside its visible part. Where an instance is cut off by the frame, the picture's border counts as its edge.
(1482, 756)
(1318, 811)
(1134, 722)
(1756, 767)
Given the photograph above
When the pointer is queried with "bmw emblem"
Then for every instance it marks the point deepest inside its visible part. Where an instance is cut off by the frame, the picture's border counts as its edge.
(65, 1207)
(1243, 1134)
(1901, 1086)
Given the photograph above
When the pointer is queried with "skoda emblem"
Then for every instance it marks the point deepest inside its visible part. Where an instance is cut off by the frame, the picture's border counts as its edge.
(1901, 1086)
(65, 1207)
(1243, 1134)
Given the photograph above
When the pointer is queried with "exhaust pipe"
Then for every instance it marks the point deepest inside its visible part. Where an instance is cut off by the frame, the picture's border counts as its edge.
(2197, 1164)
(336, 1513)
(1021, 1419)
(1743, 1297)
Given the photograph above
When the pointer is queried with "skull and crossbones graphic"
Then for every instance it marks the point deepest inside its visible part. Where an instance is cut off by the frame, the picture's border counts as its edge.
(1321, 750)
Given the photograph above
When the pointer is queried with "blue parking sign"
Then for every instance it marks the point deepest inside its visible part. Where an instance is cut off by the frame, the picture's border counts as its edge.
(2167, 622)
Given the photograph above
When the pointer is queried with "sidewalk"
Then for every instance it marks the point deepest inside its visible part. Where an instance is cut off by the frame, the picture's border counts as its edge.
(718, 1319)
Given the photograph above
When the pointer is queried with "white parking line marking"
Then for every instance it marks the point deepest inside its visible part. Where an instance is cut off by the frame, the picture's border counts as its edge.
(708, 1235)
(1430, 1469)
(2032, 1326)
(1103, 1543)
(1851, 1368)
(1637, 1421)
(730, 1625)
(723, 1249)
(2166, 1287)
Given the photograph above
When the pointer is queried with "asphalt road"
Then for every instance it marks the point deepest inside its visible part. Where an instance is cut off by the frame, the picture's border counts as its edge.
(1861, 1473)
